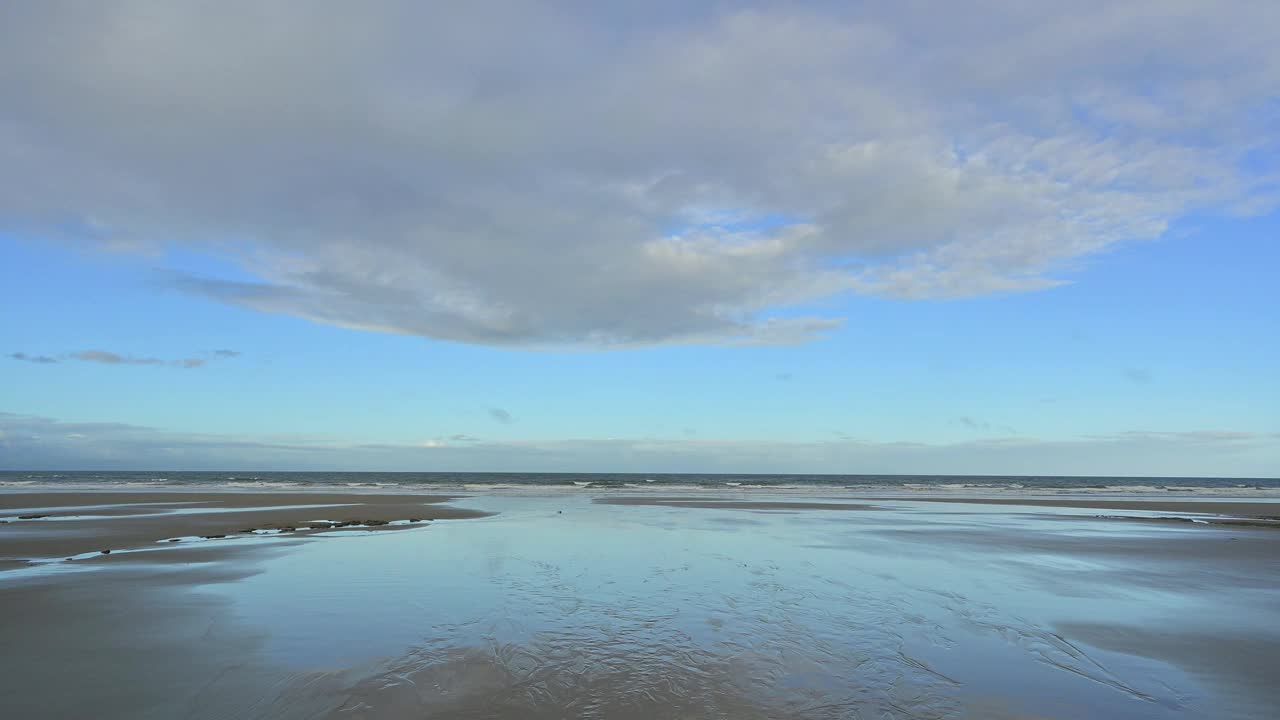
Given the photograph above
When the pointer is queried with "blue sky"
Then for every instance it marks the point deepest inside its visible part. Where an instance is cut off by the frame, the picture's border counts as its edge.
(1067, 296)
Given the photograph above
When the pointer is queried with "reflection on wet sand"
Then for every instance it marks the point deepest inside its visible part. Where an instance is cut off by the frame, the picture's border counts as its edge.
(557, 607)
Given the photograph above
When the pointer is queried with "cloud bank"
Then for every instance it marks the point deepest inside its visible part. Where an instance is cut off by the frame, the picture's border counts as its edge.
(590, 174)
(34, 443)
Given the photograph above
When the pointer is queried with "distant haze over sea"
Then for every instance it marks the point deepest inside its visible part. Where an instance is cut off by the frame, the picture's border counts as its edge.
(639, 481)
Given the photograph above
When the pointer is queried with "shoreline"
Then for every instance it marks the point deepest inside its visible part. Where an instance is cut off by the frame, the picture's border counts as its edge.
(49, 524)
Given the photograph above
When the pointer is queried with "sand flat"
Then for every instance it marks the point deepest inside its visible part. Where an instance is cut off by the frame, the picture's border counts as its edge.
(560, 606)
(714, 503)
(1237, 508)
(123, 520)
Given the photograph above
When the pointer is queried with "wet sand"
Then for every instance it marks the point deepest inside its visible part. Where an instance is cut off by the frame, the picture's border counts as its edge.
(712, 503)
(582, 605)
(1235, 508)
(57, 525)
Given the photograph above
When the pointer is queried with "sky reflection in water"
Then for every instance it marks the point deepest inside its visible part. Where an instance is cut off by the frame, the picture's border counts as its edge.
(558, 605)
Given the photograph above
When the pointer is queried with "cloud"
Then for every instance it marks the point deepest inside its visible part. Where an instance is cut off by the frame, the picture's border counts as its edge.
(439, 442)
(981, 425)
(1137, 376)
(30, 442)
(606, 177)
(34, 441)
(1187, 437)
(110, 358)
(38, 359)
(501, 415)
(105, 357)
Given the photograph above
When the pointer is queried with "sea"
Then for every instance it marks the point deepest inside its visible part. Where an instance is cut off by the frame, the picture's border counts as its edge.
(637, 482)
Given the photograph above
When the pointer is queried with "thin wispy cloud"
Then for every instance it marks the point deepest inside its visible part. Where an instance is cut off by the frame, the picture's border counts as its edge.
(501, 415)
(38, 359)
(110, 358)
(1194, 436)
(455, 440)
(519, 175)
(1138, 376)
(106, 357)
(972, 423)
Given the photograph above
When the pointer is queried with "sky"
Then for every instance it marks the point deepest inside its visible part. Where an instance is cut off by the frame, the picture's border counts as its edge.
(918, 238)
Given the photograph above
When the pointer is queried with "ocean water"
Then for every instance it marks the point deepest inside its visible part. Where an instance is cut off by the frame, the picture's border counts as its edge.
(449, 481)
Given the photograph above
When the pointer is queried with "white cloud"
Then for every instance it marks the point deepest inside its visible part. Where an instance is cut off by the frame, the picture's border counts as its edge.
(516, 174)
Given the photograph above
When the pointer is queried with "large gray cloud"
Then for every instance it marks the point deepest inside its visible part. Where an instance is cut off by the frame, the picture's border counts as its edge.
(533, 174)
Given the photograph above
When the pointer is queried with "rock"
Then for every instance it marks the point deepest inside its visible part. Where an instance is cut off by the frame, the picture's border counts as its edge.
(31, 517)
(213, 537)
(175, 539)
(319, 526)
(375, 523)
(106, 552)
(415, 520)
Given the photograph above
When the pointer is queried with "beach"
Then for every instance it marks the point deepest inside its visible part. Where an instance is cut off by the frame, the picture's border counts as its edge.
(581, 602)
(47, 526)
